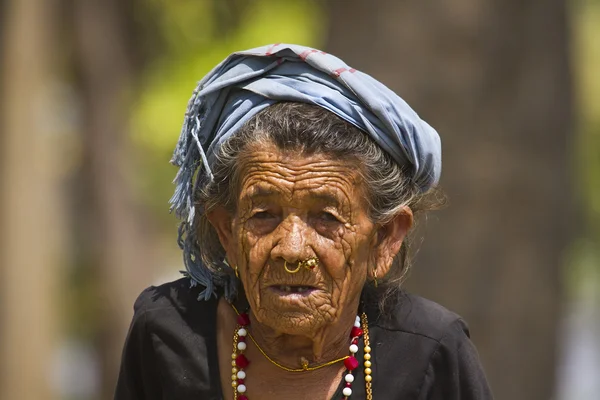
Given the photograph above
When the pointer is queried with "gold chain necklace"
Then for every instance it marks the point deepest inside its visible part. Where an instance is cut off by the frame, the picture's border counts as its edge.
(303, 361)
(239, 361)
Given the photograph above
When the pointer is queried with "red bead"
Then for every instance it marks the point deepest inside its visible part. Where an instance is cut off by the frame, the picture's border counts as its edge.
(356, 332)
(242, 397)
(240, 381)
(242, 338)
(354, 341)
(351, 363)
(243, 319)
(348, 384)
(242, 362)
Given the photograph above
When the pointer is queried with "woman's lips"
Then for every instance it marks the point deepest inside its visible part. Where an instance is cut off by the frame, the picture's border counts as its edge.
(292, 290)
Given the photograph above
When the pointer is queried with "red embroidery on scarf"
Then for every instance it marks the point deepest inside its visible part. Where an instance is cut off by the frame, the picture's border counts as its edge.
(271, 48)
(339, 71)
(306, 53)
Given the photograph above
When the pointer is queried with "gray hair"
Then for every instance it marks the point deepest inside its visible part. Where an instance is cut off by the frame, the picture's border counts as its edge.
(306, 129)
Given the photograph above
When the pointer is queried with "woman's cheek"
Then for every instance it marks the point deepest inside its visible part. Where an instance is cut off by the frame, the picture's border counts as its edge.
(332, 257)
(258, 250)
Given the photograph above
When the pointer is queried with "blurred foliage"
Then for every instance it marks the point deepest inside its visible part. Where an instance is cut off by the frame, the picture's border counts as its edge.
(196, 36)
(584, 258)
(587, 65)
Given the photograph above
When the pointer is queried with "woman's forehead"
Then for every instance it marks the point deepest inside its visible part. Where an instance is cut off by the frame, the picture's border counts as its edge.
(331, 194)
(275, 174)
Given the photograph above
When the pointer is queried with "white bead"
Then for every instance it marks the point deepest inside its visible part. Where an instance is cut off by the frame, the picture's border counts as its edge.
(242, 332)
(347, 392)
(241, 388)
(353, 348)
(357, 324)
(349, 378)
(358, 318)
(241, 346)
(241, 375)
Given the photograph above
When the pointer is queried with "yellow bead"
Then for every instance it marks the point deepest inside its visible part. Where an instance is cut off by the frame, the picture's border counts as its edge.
(367, 371)
(234, 384)
(368, 364)
(233, 356)
(367, 349)
(368, 378)
(234, 370)
(367, 356)
(233, 377)
(233, 364)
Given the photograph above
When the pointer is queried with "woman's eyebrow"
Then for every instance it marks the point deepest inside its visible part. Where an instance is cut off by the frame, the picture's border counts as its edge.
(325, 197)
(261, 192)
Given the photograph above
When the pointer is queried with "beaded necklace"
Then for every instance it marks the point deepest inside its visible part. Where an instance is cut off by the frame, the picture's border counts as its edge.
(239, 362)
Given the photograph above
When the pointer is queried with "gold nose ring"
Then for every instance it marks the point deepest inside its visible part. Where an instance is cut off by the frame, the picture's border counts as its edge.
(291, 271)
(310, 263)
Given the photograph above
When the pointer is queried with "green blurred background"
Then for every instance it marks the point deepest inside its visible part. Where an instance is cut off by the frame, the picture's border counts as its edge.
(92, 99)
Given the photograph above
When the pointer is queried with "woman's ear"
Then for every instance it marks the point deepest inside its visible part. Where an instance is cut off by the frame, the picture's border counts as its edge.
(220, 219)
(389, 240)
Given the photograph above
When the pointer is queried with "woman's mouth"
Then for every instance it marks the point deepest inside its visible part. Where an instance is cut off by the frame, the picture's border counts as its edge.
(285, 290)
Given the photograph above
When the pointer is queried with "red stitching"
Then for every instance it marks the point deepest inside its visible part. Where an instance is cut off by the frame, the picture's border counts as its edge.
(306, 53)
(339, 71)
(271, 48)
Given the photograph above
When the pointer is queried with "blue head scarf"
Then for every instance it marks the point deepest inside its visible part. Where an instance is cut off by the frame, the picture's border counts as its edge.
(247, 82)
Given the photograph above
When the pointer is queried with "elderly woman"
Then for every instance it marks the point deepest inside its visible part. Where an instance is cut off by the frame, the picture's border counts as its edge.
(299, 181)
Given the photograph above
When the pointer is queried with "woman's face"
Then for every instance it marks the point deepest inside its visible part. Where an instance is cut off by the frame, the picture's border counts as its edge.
(292, 207)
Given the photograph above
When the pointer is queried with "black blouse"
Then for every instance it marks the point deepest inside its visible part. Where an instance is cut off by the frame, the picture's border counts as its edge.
(421, 351)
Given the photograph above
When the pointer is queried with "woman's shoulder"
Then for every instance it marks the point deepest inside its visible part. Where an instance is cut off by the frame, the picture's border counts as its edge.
(444, 364)
(417, 315)
(178, 297)
(169, 344)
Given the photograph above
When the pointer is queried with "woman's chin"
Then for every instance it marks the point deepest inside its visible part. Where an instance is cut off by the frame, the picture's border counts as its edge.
(295, 312)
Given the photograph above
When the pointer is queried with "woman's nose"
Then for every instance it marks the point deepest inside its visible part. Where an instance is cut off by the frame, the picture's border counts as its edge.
(291, 240)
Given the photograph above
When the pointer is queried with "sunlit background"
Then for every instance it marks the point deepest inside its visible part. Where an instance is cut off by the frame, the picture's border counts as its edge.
(92, 98)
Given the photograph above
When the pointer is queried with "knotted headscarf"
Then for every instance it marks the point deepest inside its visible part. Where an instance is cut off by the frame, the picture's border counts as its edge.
(247, 82)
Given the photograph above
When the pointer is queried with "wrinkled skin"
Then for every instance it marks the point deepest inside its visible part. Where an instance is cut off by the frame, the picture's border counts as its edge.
(292, 207)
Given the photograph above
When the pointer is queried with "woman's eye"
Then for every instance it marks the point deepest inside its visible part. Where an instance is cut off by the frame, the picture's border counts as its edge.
(262, 215)
(328, 217)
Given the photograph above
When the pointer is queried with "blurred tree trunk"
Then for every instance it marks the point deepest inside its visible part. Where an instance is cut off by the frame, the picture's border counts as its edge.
(31, 229)
(493, 77)
(120, 251)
